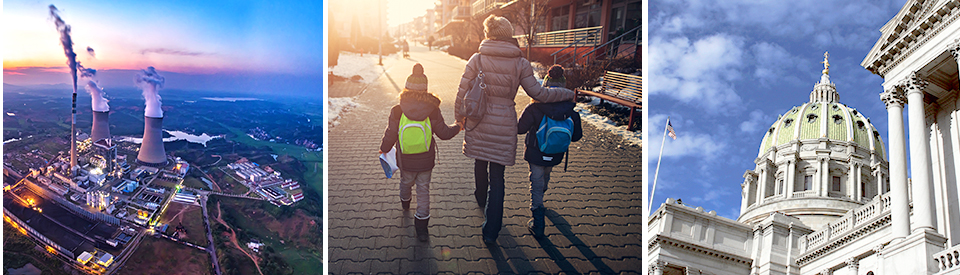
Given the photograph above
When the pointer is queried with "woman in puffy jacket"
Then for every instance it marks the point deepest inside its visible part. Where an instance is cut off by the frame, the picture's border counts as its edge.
(492, 141)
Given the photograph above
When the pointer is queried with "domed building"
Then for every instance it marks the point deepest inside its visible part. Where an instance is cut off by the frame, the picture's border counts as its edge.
(816, 162)
(822, 198)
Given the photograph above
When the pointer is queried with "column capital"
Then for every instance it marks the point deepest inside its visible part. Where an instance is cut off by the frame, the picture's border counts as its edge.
(954, 48)
(852, 262)
(893, 97)
(878, 249)
(913, 83)
(658, 266)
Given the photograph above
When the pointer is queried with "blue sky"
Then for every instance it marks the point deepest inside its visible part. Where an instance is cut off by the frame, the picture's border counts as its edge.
(189, 37)
(724, 71)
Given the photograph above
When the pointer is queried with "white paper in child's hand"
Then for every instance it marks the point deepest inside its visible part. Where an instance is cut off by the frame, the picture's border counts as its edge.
(388, 161)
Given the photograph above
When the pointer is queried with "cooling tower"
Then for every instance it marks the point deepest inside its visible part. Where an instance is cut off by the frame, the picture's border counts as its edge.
(151, 150)
(101, 126)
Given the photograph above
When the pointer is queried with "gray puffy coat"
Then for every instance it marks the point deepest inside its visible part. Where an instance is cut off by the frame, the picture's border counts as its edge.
(494, 139)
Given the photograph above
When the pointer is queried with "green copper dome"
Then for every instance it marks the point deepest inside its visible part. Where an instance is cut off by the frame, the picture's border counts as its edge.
(823, 117)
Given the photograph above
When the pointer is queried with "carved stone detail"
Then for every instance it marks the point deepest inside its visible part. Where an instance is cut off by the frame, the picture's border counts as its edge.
(893, 97)
(914, 83)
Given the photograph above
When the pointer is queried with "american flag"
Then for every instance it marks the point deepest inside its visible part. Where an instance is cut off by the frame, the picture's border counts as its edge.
(670, 131)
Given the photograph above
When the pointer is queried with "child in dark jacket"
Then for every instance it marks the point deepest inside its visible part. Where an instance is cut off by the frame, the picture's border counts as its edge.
(416, 104)
(542, 164)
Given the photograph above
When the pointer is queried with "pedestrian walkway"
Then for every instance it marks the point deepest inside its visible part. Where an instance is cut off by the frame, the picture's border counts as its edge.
(593, 209)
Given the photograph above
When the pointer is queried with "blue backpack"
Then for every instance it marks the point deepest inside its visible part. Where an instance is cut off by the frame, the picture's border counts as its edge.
(554, 136)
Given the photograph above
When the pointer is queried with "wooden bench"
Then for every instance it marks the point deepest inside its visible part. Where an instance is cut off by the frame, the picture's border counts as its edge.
(623, 89)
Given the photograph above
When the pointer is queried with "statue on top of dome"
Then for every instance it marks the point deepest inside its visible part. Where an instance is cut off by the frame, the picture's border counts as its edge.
(826, 63)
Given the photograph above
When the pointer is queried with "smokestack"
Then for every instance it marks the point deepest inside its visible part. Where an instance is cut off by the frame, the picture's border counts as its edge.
(67, 42)
(151, 150)
(101, 126)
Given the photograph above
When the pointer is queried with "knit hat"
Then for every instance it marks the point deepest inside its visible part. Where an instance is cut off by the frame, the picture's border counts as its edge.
(417, 81)
(555, 77)
(495, 27)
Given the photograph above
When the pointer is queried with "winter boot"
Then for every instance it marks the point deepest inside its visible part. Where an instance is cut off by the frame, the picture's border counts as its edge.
(405, 204)
(421, 227)
(538, 223)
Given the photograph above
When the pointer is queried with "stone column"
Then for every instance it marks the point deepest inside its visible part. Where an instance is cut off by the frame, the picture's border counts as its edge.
(762, 184)
(854, 178)
(923, 198)
(824, 181)
(852, 266)
(899, 203)
(791, 177)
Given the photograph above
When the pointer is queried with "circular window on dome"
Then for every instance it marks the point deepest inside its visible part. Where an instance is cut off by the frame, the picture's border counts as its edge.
(811, 118)
(815, 106)
(860, 124)
(837, 119)
(786, 123)
(836, 107)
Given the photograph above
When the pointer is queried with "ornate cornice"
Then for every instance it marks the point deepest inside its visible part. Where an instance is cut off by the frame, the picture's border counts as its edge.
(914, 29)
(663, 241)
(893, 97)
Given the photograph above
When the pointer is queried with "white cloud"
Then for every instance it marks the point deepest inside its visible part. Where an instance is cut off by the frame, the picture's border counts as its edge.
(775, 65)
(688, 143)
(757, 121)
(699, 73)
(787, 19)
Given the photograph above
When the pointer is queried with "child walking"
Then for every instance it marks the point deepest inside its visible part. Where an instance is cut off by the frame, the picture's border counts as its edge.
(411, 127)
(550, 127)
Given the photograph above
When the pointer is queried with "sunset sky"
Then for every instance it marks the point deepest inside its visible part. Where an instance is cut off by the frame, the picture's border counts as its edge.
(189, 37)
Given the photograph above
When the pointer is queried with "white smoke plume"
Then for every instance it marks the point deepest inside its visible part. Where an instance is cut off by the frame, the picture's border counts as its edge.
(98, 103)
(150, 82)
(67, 42)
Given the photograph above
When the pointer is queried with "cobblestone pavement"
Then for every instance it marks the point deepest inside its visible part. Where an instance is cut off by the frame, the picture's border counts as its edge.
(593, 216)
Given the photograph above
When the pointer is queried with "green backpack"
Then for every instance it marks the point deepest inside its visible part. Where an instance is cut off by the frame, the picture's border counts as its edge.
(415, 136)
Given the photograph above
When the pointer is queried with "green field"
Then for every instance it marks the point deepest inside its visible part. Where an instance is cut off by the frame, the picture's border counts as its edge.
(300, 249)
(295, 151)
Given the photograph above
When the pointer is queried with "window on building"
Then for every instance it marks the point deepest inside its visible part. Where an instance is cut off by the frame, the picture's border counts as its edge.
(811, 118)
(779, 186)
(624, 16)
(561, 18)
(588, 15)
(807, 182)
(835, 187)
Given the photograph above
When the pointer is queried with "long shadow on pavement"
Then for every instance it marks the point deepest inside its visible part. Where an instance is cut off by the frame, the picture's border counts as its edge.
(558, 258)
(520, 264)
(564, 227)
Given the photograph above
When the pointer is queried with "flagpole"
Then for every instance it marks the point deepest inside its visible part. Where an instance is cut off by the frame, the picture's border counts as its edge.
(657, 173)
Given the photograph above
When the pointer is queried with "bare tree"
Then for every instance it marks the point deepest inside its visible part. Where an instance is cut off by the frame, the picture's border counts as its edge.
(527, 14)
